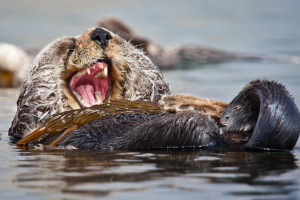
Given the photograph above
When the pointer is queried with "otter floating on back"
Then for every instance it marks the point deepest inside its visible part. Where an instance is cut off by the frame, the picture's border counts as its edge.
(99, 66)
(73, 73)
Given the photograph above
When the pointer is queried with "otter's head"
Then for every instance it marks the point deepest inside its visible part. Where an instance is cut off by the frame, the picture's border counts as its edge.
(83, 71)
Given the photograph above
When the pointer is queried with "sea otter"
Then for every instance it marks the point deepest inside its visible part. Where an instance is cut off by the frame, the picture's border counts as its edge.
(169, 57)
(103, 93)
(14, 63)
(172, 56)
(72, 73)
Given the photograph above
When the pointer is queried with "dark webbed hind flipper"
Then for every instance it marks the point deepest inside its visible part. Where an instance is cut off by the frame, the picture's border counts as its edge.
(266, 109)
(144, 131)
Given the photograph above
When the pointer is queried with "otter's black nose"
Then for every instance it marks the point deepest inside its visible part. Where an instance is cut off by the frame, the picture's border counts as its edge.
(101, 36)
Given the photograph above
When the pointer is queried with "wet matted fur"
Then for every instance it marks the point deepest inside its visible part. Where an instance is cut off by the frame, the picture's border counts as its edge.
(262, 116)
(46, 90)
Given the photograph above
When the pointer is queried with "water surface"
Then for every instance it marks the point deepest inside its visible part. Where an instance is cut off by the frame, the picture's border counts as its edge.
(269, 27)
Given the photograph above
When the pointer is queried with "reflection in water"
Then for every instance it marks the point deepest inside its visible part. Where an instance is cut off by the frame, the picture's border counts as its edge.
(267, 27)
(82, 174)
(196, 174)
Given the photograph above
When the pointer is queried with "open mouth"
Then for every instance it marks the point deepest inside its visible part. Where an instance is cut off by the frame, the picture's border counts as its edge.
(91, 86)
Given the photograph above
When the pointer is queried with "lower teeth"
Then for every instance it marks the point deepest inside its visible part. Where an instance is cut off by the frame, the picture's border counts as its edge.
(97, 94)
(99, 97)
(77, 95)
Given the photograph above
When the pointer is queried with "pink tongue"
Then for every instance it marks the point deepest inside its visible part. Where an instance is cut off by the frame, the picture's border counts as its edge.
(86, 92)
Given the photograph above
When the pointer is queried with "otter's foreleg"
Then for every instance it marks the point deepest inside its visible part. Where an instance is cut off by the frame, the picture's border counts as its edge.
(186, 129)
(265, 109)
(146, 130)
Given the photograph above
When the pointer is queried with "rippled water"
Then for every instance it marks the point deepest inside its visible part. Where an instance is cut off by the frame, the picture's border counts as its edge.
(269, 27)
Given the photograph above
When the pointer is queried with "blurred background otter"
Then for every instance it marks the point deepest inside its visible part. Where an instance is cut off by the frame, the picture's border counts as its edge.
(15, 61)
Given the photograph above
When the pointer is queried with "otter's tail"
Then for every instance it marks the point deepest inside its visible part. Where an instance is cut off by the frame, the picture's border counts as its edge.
(266, 110)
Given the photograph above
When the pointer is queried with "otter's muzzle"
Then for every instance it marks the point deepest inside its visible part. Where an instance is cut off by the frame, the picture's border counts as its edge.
(101, 36)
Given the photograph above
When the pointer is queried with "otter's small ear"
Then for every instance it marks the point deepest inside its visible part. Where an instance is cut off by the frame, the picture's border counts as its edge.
(64, 44)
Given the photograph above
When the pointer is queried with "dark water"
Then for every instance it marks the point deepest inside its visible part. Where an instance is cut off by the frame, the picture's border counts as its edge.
(269, 27)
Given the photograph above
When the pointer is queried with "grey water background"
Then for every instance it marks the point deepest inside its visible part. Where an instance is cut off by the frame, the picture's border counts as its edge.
(260, 27)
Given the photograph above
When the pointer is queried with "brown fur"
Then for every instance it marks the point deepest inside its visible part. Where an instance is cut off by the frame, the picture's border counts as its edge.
(46, 89)
(86, 53)
(14, 64)
(6, 79)
(184, 102)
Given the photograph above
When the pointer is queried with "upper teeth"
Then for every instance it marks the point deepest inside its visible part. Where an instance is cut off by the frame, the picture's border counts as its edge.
(101, 74)
(99, 65)
(79, 74)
